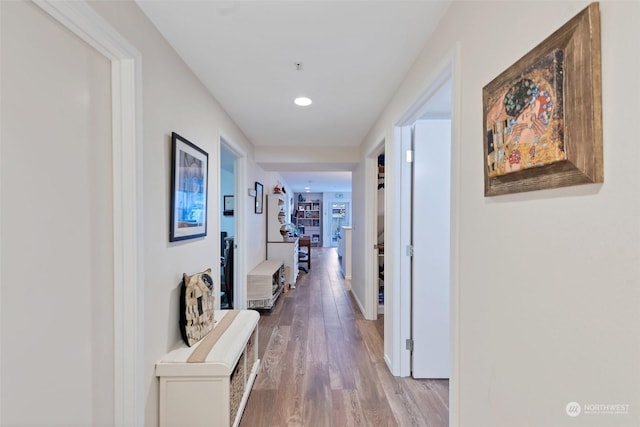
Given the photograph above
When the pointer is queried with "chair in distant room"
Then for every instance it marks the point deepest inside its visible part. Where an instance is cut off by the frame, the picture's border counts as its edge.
(223, 244)
(226, 280)
(304, 254)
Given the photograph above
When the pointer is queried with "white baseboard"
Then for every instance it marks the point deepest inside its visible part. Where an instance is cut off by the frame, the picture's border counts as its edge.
(355, 297)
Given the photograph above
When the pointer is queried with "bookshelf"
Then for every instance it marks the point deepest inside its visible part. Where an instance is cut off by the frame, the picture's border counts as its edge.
(308, 216)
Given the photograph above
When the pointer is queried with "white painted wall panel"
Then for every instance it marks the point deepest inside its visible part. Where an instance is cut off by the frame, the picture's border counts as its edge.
(548, 280)
(57, 294)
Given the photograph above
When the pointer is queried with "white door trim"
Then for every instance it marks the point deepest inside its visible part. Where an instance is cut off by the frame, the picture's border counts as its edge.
(454, 296)
(400, 301)
(128, 272)
(370, 236)
(240, 209)
(401, 319)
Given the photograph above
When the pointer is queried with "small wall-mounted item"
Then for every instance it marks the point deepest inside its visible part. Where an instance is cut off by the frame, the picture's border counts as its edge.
(259, 198)
(252, 192)
(228, 206)
(189, 168)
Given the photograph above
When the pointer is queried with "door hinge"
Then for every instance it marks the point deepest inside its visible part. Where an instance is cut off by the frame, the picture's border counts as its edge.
(409, 156)
(409, 250)
(410, 344)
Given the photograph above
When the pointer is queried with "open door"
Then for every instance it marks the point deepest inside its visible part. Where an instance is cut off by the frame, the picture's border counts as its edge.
(431, 236)
(414, 323)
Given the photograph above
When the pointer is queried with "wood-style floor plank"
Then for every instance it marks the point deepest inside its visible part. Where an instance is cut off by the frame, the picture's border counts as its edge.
(347, 409)
(271, 369)
(404, 408)
(262, 403)
(322, 363)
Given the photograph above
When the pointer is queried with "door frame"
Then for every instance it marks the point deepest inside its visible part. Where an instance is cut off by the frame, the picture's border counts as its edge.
(400, 319)
(240, 226)
(371, 259)
(128, 268)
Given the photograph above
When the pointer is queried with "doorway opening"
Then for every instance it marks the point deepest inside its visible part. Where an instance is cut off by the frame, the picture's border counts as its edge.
(227, 227)
(408, 311)
(380, 231)
(231, 214)
(340, 217)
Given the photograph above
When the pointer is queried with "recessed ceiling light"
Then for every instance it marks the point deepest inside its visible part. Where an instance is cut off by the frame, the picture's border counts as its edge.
(302, 101)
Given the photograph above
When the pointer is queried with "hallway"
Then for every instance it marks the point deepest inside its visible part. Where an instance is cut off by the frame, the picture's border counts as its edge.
(322, 363)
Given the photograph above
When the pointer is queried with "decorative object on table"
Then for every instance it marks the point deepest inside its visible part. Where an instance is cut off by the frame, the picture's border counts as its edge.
(189, 170)
(196, 306)
(287, 230)
(543, 115)
(228, 206)
(259, 198)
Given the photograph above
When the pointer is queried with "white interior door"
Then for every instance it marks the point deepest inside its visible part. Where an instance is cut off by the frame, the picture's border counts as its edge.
(431, 249)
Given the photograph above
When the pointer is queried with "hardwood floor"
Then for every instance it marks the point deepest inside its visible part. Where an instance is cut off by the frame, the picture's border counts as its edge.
(322, 363)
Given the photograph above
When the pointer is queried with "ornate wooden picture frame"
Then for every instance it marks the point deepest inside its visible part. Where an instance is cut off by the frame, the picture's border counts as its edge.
(542, 117)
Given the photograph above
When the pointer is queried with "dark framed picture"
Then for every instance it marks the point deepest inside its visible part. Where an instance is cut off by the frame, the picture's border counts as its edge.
(543, 115)
(228, 206)
(259, 197)
(189, 174)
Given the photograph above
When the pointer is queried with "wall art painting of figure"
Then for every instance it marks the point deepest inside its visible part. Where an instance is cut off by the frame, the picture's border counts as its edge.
(525, 123)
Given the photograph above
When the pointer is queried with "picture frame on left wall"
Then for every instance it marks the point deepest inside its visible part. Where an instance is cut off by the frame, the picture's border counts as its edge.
(228, 205)
(189, 178)
(259, 198)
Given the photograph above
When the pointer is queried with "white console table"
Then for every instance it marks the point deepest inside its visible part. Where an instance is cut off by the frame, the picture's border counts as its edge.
(215, 391)
(287, 251)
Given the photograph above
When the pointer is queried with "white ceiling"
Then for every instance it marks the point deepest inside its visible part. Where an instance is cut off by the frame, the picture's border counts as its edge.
(354, 55)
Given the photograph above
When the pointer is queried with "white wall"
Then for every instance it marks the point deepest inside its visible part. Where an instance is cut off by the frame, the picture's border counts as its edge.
(358, 273)
(257, 230)
(56, 196)
(548, 280)
(173, 100)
